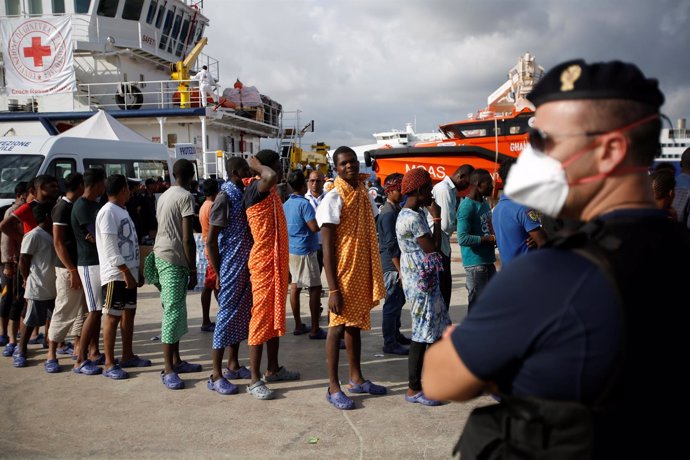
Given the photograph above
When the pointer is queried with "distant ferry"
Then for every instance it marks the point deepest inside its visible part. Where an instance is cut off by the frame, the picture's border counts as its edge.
(394, 138)
(674, 141)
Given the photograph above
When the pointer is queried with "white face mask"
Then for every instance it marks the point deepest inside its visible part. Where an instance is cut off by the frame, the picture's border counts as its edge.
(538, 181)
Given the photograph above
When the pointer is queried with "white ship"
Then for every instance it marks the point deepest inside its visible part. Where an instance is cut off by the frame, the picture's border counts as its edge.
(134, 59)
(392, 139)
(674, 141)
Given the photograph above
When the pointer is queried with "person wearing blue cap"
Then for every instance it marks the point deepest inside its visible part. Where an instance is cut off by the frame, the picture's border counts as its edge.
(572, 337)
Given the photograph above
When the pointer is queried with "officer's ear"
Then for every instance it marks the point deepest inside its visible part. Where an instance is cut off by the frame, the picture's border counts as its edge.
(612, 151)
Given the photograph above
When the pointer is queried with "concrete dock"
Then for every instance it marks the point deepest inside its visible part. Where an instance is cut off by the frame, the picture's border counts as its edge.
(75, 416)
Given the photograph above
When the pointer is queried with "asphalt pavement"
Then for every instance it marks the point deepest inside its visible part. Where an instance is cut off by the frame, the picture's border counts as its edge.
(75, 416)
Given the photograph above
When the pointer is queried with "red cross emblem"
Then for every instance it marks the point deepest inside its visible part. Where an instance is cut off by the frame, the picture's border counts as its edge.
(37, 51)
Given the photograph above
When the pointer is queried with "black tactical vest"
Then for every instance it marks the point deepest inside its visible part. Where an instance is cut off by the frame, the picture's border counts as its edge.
(647, 259)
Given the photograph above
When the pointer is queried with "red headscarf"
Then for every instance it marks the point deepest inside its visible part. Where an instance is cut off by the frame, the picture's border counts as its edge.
(414, 179)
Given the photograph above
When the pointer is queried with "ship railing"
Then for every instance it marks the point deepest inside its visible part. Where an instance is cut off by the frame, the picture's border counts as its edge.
(163, 94)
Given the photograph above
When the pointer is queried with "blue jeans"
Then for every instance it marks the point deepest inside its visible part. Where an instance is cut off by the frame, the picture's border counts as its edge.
(477, 277)
(392, 307)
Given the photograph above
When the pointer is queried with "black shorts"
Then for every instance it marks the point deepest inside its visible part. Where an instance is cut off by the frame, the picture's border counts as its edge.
(116, 297)
(38, 311)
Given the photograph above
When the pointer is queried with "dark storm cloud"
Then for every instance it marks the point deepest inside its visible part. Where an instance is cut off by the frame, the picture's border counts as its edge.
(358, 67)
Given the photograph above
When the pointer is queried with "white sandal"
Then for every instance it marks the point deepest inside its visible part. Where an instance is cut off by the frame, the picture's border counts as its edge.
(260, 391)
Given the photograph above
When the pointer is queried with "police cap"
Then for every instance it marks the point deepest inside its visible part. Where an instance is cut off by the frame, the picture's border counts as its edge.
(576, 79)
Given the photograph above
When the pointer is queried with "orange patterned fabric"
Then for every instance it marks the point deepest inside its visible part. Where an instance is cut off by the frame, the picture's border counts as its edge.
(268, 269)
(358, 266)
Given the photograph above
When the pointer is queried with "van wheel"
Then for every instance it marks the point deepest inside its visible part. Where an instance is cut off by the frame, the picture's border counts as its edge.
(129, 97)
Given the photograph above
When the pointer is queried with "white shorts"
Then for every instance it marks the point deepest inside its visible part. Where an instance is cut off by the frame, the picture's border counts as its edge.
(304, 270)
(91, 282)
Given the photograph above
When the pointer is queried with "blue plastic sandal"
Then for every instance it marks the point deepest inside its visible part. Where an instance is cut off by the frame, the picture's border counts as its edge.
(183, 367)
(340, 400)
(222, 386)
(36, 340)
(115, 373)
(320, 335)
(420, 398)
(172, 381)
(9, 350)
(68, 349)
(19, 360)
(367, 387)
(136, 361)
(87, 367)
(240, 374)
(52, 366)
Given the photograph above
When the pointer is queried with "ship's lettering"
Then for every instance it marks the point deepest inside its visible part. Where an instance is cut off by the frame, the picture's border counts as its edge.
(148, 40)
(437, 172)
(517, 146)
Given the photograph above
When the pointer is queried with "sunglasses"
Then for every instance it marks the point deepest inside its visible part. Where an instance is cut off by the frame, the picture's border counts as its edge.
(541, 140)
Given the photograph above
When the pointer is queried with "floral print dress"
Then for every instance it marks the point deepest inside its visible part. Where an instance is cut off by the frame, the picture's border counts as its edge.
(419, 272)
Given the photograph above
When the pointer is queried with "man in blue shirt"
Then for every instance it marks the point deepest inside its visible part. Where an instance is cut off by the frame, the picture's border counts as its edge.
(518, 228)
(304, 265)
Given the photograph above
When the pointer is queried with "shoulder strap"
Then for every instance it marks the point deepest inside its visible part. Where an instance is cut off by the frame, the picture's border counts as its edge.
(594, 243)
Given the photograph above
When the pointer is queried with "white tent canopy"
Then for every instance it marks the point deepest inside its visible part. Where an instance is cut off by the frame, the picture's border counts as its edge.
(104, 126)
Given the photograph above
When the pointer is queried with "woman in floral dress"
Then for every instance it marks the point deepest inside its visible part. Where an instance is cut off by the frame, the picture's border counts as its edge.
(420, 263)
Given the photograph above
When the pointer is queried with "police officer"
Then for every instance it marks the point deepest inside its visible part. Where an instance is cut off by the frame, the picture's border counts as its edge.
(589, 327)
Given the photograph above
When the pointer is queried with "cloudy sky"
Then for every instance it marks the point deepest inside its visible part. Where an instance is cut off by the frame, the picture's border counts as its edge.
(358, 67)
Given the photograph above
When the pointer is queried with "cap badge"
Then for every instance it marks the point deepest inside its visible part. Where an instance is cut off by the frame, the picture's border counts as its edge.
(569, 77)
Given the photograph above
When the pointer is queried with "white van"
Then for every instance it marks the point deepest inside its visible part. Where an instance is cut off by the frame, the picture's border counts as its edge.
(22, 159)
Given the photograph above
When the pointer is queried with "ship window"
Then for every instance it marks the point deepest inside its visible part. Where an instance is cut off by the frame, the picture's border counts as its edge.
(199, 33)
(166, 28)
(152, 12)
(473, 132)
(12, 7)
(35, 6)
(82, 6)
(107, 8)
(132, 9)
(175, 32)
(58, 6)
(514, 130)
(183, 37)
(161, 14)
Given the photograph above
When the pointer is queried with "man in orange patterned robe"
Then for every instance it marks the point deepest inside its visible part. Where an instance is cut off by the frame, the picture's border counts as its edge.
(353, 268)
(268, 270)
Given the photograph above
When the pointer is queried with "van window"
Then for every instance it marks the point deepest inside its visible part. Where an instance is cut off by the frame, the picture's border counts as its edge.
(140, 169)
(15, 168)
(60, 168)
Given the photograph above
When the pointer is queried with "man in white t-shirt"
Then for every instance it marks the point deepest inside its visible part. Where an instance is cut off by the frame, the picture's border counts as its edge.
(118, 257)
(37, 266)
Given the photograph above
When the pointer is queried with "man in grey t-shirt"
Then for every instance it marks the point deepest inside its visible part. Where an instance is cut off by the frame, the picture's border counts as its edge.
(175, 263)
